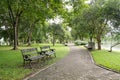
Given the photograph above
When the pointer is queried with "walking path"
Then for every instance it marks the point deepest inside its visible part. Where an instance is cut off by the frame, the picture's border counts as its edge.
(76, 66)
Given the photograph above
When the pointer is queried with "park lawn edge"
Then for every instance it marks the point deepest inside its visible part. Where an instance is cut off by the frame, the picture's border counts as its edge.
(36, 71)
(6, 50)
(102, 65)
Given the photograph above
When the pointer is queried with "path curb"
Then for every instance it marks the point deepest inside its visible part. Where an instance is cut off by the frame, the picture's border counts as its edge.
(38, 72)
(92, 59)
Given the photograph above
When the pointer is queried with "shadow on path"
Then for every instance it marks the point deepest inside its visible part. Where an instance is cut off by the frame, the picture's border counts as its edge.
(76, 66)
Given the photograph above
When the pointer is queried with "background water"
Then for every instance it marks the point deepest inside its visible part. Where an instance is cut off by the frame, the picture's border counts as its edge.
(107, 45)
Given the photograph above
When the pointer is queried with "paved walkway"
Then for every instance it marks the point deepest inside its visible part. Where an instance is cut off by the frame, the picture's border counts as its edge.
(76, 66)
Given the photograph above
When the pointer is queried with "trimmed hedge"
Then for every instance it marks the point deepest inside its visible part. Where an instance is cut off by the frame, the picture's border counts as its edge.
(79, 42)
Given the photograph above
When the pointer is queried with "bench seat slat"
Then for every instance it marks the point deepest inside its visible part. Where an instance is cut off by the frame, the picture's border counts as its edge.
(36, 57)
(30, 55)
(47, 50)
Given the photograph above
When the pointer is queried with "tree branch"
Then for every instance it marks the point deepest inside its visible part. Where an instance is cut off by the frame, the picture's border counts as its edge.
(11, 13)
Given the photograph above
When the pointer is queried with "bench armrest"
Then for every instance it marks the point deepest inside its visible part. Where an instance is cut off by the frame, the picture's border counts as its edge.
(40, 53)
(27, 56)
(52, 49)
(43, 52)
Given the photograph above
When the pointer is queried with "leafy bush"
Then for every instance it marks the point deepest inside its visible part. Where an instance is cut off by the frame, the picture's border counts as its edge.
(79, 42)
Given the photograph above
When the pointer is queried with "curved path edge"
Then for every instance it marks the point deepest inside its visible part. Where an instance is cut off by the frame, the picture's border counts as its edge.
(77, 65)
(101, 66)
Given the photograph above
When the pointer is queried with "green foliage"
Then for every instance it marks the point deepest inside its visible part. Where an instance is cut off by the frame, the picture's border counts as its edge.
(92, 21)
(79, 42)
(111, 11)
(11, 62)
(117, 37)
(107, 59)
(24, 15)
(57, 32)
(30, 18)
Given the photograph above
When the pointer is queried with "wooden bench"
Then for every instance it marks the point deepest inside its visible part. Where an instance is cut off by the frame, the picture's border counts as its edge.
(46, 50)
(90, 46)
(30, 55)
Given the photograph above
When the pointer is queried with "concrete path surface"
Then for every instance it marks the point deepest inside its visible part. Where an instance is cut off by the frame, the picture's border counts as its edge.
(77, 65)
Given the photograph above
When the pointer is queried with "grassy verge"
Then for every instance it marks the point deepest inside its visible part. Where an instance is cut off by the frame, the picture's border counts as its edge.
(11, 61)
(107, 59)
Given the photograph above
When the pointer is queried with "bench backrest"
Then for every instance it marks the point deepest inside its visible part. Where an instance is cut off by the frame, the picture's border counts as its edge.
(45, 48)
(29, 52)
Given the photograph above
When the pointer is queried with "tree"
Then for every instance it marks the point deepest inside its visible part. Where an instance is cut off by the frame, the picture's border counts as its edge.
(92, 21)
(56, 31)
(111, 12)
(30, 12)
(96, 22)
(75, 19)
(14, 10)
(40, 12)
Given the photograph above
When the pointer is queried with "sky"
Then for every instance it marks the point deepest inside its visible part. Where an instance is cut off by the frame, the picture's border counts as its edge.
(57, 20)
(88, 1)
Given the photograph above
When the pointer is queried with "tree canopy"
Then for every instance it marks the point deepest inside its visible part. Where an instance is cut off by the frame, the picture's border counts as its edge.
(27, 21)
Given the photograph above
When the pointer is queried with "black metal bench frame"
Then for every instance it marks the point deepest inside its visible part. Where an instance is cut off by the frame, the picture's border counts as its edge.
(30, 55)
(46, 50)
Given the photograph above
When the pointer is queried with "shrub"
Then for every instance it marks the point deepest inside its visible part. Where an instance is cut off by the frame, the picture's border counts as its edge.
(79, 42)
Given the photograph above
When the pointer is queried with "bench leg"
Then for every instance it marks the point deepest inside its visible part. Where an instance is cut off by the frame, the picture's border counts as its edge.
(23, 63)
(30, 64)
(44, 59)
(38, 61)
(55, 54)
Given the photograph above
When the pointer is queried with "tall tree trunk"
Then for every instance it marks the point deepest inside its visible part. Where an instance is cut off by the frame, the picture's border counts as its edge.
(99, 42)
(53, 40)
(23, 40)
(15, 33)
(90, 38)
(30, 31)
(15, 38)
(81, 37)
(14, 19)
(10, 42)
(29, 41)
(29, 38)
(60, 41)
(113, 46)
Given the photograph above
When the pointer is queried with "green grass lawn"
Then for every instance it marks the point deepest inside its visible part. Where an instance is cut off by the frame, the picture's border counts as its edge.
(11, 61)
(107, 59)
